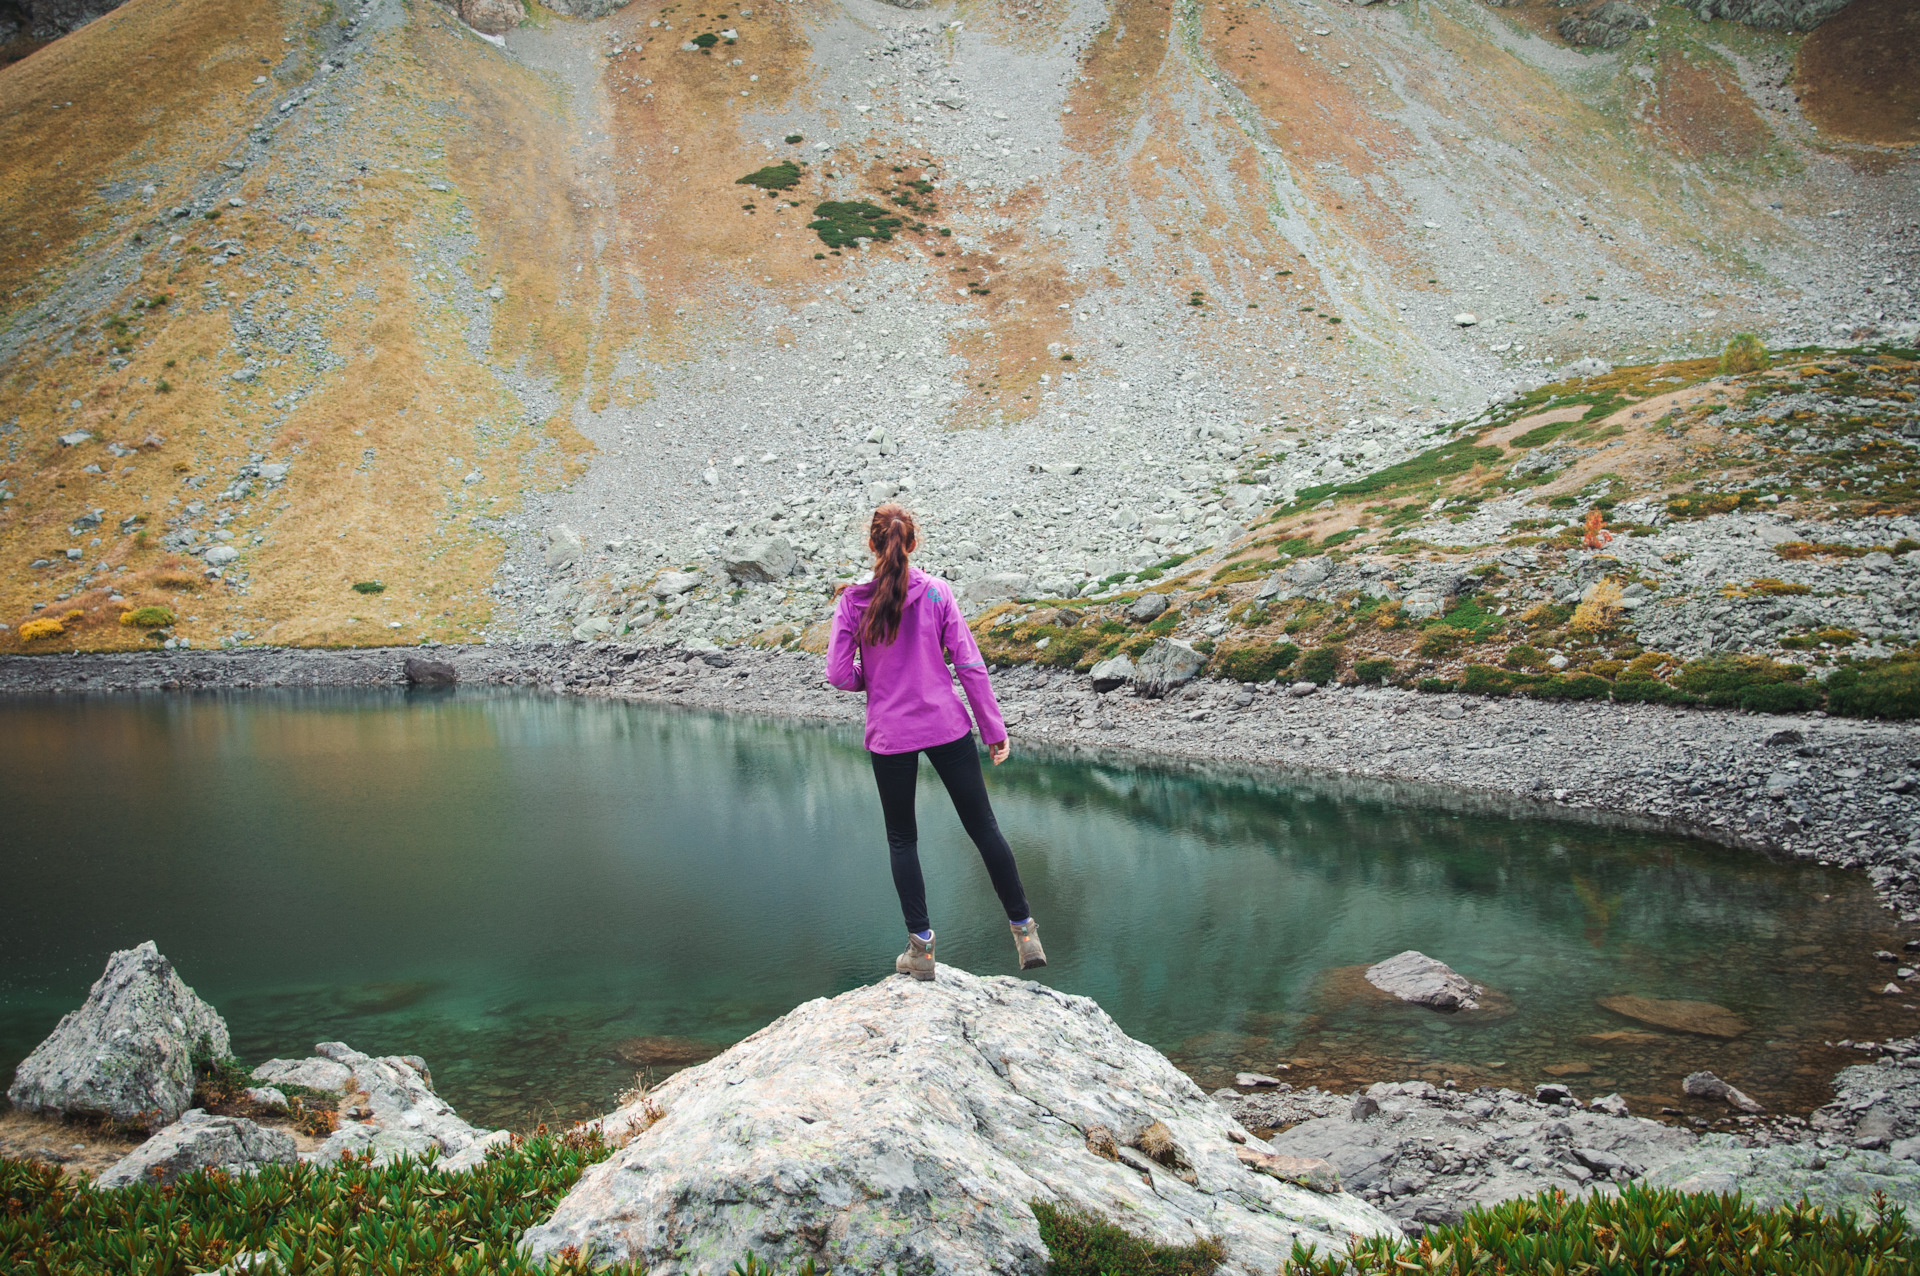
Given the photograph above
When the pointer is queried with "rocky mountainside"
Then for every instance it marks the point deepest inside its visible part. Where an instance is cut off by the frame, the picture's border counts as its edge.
(377, 327)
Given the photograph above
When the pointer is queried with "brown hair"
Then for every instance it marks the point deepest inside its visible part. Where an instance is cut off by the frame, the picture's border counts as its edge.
(892, 535)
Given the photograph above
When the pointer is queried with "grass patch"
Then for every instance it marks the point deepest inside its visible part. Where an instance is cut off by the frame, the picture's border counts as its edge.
(1319, 665)
(148, 617)
(1754, 683)
(844, 223)
(1087, 1245)
(1442, 462)
(368, 587)
(1889, 689)
(1642, 1230)
(783, 176)
(1255, 662)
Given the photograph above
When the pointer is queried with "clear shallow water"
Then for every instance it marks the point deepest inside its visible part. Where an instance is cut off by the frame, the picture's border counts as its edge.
(541, 895)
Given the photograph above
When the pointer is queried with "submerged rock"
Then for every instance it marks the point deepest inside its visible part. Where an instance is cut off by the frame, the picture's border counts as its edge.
(1704, 1085)
(128, 1053)
(1414, 976)
(199, 1141)
(1701, 1018)
(910, 1125)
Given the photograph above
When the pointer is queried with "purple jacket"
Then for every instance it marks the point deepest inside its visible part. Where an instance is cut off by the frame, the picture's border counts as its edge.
(911, 703)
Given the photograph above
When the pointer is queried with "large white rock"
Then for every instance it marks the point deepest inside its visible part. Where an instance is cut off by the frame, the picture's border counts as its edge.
(388, 1107)
(1414, 976)
(129, 1052)
(910, 1125)
(768, 560)
(198, 1141)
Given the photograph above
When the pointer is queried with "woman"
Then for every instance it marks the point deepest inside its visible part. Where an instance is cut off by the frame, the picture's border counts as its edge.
(892, 637)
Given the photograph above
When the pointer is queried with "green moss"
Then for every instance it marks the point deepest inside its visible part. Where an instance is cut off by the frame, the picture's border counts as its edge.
(1442, 462)
(1165, 622)
(1319, 665)
(1888, 689)
(368, 587)
(783, 176)
(844, 223)
(148, 617)
(794, 139)
(706, 39)
(1374, 669)
(1255, 662)
(1082, 1244)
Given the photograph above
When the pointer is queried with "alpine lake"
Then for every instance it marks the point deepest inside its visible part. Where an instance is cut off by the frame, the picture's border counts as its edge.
(546, 897)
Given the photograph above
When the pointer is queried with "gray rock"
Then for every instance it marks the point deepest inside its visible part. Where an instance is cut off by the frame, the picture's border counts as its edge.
(311, 1074)
(993, 587)
(1791, 15)
(1146, 607)
(1608, 26)
(1307, 572)
(1112, 673)
(127, 1054)
(74, 438)
(1416, 977)
(198, 1141)
(1302, 689)
(563, 545)
(1587, 367)
(391, 1111)
(267, 1097)
(672, 584)
(1704, 1085)
(1169, 663)
(765, 562)
(421, 672)
(908, 1125)
(1610, 1105)
(587, 8)
(1831, 1178)
(221, 555)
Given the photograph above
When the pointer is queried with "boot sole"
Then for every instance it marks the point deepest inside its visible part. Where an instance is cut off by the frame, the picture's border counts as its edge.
(1033, 963)
(926, 978)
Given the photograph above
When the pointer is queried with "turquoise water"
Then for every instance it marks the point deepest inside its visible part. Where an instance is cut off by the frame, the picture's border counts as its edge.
(544, 895)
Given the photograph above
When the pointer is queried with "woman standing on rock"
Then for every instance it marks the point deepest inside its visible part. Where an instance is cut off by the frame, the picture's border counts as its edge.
(892, 637)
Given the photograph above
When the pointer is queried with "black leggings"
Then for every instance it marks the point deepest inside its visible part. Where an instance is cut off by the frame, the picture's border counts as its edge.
(958, 764)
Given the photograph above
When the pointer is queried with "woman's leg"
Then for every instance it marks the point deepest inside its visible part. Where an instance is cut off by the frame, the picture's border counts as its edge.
(959, 766)
(895, 774)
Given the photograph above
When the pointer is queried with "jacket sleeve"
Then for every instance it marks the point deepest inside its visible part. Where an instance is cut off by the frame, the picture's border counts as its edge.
(843, 671)
(972, 668)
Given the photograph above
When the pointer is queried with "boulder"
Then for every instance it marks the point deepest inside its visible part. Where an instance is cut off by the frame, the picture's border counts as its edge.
(1146, 607)
(312, 1074)
(672, 584)
(1784, 1174)
(1167, 664)
(563, 545)
(389, 1109)
(1704, 1085)
(910, 1126)
(994, 587)
(767, 561)
(198, 1141)
(492, 17)
(1416, 977)
(1112, 673)
(1791, 15)
(129, 1053)
(1607, 26)
(1702, 1018)
(421, 672)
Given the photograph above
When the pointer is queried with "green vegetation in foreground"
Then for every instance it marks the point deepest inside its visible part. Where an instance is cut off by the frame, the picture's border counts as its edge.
(783, 176)
(1087, 1245)
(1642, 1232)
(349, 1217)
(844, 223)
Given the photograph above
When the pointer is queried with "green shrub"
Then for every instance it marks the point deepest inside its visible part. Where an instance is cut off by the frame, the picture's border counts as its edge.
(1748, 682)
(706, 39)
(148, 617)
(1255, 662)
(368, 587)
(1577, 686)
(844, 223)
(783, 176)
(1433, 686)
(1525, 656)
(1485, 680)
(1890, 690)
(1166, 622)
(1088, 1245)
(1650, 691)
(1744, 353)
(347, 1215)
(1443, 640)
(1656, 1231)
(1319, 665)
(1374, 669)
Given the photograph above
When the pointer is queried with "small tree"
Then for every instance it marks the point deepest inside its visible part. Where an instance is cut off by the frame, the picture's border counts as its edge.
(1744, 353)
(1596, 533)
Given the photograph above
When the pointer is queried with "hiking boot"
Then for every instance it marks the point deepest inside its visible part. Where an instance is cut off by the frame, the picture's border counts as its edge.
(917, 960)
(1026, 939)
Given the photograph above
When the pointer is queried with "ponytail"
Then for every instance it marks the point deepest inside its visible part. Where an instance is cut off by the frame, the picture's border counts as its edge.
(892, 535)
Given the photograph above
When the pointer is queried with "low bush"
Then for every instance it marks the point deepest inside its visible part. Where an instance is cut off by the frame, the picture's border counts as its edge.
(1599, 612)
(1655, 1231)
(369, 587)
(844, 223)
(1319, 665)
(1485, 680)
(148, 617)
(1525, 656)
(783, 176)
(1087, 1245)
(1630, 690)
(1255, 662)
(1744, 353)
(1748, 682)
(1443, 640)
(1890, 690)
(1374, 669)
(46, 627)
(1576, 686)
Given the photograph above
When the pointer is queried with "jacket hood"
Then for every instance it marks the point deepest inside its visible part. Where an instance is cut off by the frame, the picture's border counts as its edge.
(861, 592)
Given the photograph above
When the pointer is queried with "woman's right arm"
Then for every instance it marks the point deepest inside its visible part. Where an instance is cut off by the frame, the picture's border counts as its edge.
(843, 670)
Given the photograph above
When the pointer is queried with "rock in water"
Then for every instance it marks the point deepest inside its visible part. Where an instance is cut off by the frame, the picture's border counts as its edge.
(421, 672)
(1416, 977)
(128, 1054)
(198, 1141)
(1700, 1017)
(770, 560)
(1167, 664)
(910, 1125)
(1704, 1085)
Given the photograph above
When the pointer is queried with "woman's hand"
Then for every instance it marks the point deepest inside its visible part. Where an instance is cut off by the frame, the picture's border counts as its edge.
(997, 753)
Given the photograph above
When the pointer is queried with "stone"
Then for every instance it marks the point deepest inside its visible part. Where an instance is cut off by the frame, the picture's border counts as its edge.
(267, 1097)
(993, 587)
(1255, 1080)
(1415, 977)
(1466, 319)
(1704, 1085)
(1112, 673)
(1702, 1018)
(128, 1054)
(563, 545)
(1830, 1178)
(1786, 735)
(1311, 1172)
(1552, 1093)
(673, 584)
(492, 17)
(1587, 367)
(421, 672)
(199, 1141)
(398, 1112)
(1610, 1105)
(1606, 26)
(1302, 689)
(310, 1074)
(1146, 607)
(764, 562)
(909, 1125)
(221, 555)
(74, 438)
(1169, 663)
(1791, 15)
